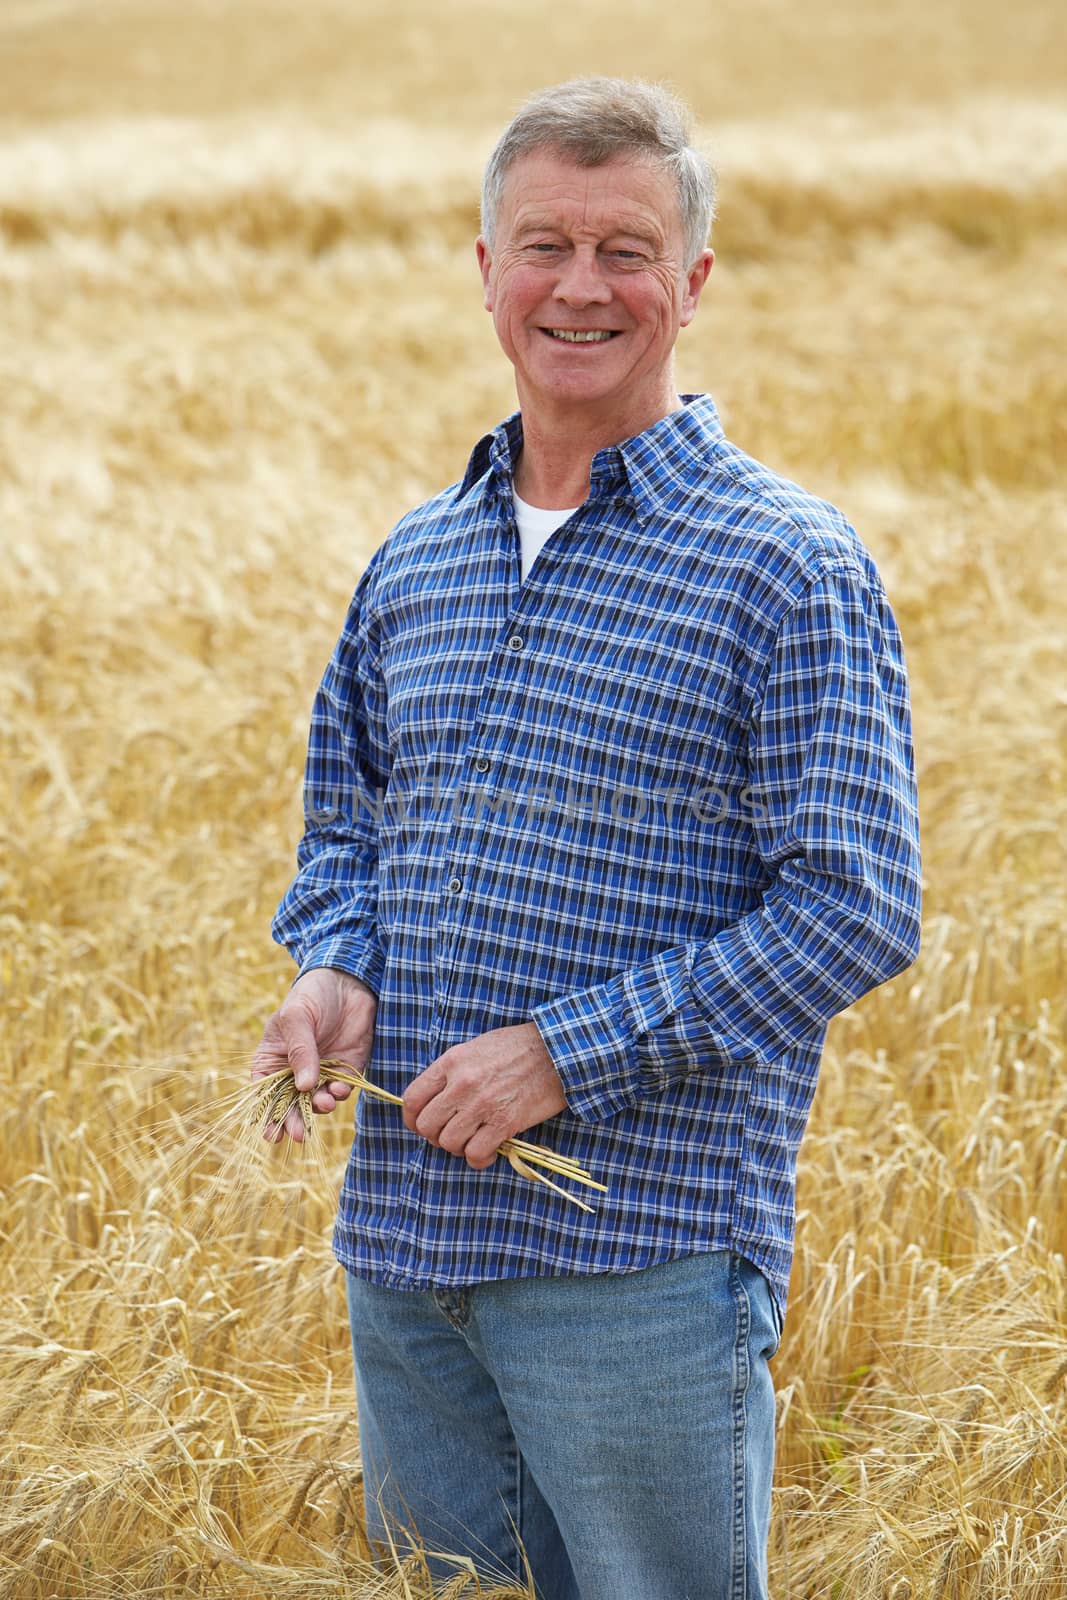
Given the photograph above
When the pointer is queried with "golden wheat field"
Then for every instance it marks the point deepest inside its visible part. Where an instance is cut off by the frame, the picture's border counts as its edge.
(241, 333)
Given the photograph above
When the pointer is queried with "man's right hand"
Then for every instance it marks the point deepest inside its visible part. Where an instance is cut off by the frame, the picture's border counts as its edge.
(326, 1013)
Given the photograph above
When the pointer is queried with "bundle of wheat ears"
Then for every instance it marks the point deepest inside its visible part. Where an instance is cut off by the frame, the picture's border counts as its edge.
(276, 1095)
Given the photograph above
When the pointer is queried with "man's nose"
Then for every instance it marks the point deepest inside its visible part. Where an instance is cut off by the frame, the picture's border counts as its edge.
(582, 281)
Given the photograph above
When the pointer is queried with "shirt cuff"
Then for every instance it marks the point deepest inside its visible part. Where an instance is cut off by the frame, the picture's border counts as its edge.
(354, 956)
(597, 1037)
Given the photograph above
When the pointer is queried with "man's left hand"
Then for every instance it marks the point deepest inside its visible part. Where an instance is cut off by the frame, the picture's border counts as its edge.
(480, 1093)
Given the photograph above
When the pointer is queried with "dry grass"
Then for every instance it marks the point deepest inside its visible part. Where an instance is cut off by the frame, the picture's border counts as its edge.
(233, 314)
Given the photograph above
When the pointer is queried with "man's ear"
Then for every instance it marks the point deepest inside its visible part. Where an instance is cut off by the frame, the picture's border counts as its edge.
(485, 265)
(695, 279)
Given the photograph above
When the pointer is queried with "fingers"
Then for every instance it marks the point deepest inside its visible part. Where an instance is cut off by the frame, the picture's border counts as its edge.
(446, 1126)
(323, 1101)
(460, 1133)
(326, 1013)
(482, 1150)
(297, 1027)
(270, 1056)
(421, 1091)
(289, 1041)
(441, 1114)
(327, 1097)
(439, 1105)
(477, 1142)
(292, 1124)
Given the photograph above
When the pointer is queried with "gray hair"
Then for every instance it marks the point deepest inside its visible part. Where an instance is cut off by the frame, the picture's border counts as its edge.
(591, 120)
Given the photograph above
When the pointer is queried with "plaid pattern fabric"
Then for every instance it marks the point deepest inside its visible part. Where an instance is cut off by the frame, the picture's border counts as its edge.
(658, 798)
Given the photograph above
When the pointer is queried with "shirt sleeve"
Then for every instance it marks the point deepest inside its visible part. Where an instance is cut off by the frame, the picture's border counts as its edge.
(328, 915)
(831, 766)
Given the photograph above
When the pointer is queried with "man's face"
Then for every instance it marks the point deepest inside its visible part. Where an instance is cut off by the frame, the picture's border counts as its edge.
(591, 250)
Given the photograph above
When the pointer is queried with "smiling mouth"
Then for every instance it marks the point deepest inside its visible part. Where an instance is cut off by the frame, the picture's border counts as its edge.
(581, 335)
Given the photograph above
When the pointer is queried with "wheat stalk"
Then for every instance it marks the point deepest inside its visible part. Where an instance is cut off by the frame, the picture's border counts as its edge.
(279, 1094)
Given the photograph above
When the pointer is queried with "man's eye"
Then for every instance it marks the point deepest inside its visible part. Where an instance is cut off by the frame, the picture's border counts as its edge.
(544, 247)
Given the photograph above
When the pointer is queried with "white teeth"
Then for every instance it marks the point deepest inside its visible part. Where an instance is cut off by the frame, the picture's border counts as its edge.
(581, 336)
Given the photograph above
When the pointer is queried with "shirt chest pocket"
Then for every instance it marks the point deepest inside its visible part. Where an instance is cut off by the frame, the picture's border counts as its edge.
(653, 729)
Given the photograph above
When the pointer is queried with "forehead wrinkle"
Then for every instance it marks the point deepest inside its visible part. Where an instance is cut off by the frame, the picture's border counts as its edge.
(578, 187)
(535, 217)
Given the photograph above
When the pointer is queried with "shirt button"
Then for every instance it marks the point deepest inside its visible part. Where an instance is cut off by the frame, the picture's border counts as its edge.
(516, 642)
(481, 764)
(455, 885)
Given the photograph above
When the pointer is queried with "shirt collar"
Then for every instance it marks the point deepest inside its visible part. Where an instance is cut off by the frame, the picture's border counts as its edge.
(646, 469)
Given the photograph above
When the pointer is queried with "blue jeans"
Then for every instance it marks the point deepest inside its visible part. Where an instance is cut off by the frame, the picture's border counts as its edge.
(621, 1427)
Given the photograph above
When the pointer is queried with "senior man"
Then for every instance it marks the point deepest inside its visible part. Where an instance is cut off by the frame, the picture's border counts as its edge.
(610, 807)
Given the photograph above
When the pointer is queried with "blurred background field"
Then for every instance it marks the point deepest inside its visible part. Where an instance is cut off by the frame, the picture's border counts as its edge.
(242, 333)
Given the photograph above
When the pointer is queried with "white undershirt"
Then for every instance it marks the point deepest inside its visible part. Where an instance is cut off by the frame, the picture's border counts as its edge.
(535, 525)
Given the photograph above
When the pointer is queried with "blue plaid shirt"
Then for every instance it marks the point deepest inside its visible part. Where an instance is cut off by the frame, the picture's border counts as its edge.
(658, 798)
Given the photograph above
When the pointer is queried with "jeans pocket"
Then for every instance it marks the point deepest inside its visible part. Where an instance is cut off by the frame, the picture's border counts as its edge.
(779, 1322)
(763, 1307)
